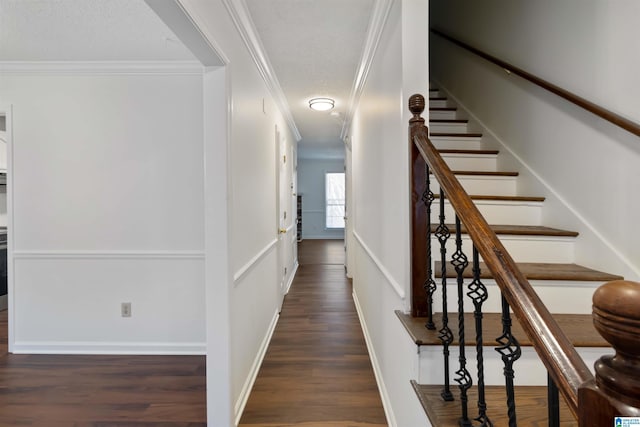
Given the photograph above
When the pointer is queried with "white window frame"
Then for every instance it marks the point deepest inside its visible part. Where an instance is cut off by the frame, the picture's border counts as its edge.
(326, 201)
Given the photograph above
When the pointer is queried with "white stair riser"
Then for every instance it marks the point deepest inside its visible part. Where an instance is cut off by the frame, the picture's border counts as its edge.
(559, 296)
(448, 127)
(437, 103)
(457, 143)
(443, 115)
(521, 248)
(471, 162)
(494, 185)
(515, 213)
(529, 370)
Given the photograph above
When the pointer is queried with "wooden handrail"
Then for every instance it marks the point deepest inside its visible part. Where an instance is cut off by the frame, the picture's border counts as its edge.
(564, 364)
(596, 109)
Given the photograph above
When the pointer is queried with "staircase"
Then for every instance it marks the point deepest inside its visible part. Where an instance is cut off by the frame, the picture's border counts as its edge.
(543, 254)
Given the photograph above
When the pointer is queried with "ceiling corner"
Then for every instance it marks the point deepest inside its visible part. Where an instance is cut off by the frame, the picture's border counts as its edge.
(244, 24)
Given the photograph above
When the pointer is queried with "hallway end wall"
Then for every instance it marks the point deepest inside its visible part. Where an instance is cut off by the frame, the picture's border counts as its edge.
(311, 186)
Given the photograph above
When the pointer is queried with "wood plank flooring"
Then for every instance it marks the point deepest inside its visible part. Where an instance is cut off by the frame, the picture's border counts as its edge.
(317, 370)
(100, 391)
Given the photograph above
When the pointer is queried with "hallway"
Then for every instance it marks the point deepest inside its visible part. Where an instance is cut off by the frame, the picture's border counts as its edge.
(317, 370)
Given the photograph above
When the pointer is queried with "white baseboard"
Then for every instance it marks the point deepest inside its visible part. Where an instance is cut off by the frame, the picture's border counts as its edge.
(255, 368)
(291, 277)
(384, 394)
(114, 348)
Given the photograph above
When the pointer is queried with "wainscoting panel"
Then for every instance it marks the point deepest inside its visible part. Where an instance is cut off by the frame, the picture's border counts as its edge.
(71, 303)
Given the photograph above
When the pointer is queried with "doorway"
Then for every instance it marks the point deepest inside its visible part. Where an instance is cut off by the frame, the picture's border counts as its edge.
(284, 214)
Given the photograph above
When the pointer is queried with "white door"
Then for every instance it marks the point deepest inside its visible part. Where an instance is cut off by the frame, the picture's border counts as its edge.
(284, 216)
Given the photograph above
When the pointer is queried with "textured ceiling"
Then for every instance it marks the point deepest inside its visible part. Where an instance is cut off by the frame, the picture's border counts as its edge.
(315, 47)
(85, 30)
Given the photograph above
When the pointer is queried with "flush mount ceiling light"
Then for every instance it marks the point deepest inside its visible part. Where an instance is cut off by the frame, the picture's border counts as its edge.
(321, 104)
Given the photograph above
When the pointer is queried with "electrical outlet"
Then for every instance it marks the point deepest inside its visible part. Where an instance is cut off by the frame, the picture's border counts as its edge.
(125, 309)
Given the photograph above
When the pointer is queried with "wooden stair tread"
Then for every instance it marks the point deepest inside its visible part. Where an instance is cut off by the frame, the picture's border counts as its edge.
(484, 173)
(442, 108)
(503, 198)
(438, 98)
(455, 134)
(460, 151)
(518, 230)
(448, 121)
(577, 327)
(540, 271)
(531, 406)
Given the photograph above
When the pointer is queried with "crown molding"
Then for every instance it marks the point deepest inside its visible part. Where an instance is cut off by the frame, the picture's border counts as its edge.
(244, 24)
(101, 67)
(379, 17)
(174, 14)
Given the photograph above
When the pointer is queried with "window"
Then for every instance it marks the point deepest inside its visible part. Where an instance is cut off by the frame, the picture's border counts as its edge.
(334, 198)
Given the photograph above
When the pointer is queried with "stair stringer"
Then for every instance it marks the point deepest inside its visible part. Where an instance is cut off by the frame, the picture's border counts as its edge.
(592, 247)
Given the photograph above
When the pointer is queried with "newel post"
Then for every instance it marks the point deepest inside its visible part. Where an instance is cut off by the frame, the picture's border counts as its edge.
(615, 390)
(419, 221)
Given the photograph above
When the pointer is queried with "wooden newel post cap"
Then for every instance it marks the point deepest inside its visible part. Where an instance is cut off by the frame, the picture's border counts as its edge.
(416, 106)
(616, 316)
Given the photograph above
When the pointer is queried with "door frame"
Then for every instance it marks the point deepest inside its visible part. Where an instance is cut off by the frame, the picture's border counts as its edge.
(7, 111)
(281, 214)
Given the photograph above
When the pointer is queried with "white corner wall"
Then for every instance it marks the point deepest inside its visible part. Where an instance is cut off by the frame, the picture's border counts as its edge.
(586, 167)
(311, 183)
(254, 285)
(379, 205)
(107, 177)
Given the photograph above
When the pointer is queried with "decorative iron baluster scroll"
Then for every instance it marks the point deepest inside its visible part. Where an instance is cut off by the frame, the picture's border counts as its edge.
(445, 335)
(478, 294)
(510, 350)
(430, 284)
(463, 378)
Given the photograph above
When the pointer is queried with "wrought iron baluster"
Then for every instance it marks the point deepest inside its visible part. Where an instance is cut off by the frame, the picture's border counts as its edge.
(463, 378)
(553, 402)
(509, 348)
(430, 284)
(478, 294)
(445, 334)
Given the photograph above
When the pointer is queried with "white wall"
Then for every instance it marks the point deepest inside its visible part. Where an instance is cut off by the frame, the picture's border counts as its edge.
(311, 184)
(379, 207)
(107, 208)
(586, 167)
(253, 231)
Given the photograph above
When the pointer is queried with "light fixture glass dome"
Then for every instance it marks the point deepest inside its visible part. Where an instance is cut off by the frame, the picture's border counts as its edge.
(321, 104)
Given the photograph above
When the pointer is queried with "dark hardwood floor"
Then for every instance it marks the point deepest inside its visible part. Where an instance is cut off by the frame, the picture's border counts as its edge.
(316, 373)
(317, 370)
(313, 252)
(100, 391)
